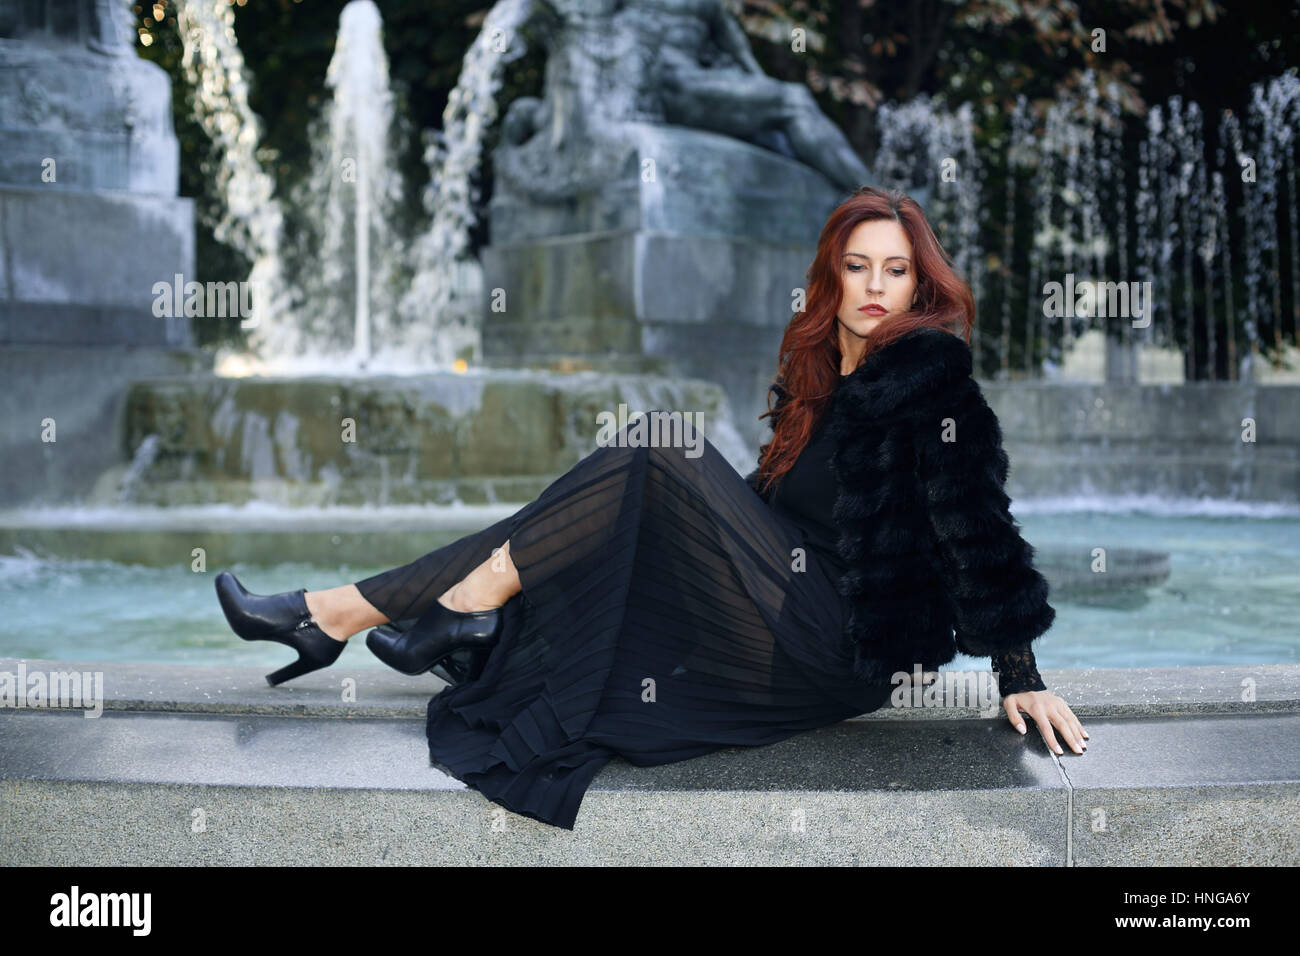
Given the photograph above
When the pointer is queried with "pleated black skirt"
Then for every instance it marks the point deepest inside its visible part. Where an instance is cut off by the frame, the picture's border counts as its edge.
(666, 612)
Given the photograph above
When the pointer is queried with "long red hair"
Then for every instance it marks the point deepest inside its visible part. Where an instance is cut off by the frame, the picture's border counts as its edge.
(808, 365)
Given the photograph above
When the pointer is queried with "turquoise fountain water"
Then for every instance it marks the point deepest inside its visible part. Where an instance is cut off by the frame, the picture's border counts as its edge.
(1232, 596)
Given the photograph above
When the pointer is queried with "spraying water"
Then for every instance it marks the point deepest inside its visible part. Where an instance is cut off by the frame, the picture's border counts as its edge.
(251, 219)
(328, 293)
(1068, 202)
(346, 261)
(1065, 193)
(445, 288)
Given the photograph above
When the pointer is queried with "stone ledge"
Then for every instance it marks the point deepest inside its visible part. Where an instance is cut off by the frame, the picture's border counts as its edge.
(127, 788)
(380, 692)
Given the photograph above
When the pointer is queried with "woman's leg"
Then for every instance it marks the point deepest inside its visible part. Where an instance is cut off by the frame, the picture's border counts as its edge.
(489, 585)
(342, 611)
(478, 570)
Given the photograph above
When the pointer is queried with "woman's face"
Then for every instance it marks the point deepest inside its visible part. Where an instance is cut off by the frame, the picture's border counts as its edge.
(877, 274)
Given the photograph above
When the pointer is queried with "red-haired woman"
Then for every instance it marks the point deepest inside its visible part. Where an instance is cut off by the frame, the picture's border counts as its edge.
(657, 606)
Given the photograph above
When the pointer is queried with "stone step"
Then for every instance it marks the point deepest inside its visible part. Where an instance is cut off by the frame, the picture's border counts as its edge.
(194, 776)
(348, 691)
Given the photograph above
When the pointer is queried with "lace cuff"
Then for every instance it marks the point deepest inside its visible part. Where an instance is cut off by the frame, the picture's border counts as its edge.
(1017, 671)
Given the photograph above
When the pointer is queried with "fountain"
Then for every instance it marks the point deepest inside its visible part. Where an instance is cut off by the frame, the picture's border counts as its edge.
(657, 206)
(251, 219)
(648, 227)
(447, 284)
(346, 262)
(1099, 233)
(622, 264)
(443, 434)
(1174, 246)
(265, 432)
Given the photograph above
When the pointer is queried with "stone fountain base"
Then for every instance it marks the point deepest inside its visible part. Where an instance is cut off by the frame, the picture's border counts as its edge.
(439, 439)
(1165, 772)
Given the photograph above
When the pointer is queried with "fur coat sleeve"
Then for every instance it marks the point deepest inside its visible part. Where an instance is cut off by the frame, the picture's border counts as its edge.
(999, 599)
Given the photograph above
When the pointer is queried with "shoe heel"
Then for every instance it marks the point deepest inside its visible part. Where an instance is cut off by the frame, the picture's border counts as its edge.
(299, 667)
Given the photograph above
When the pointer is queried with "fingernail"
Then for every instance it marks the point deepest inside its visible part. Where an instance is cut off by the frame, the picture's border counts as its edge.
(1020, 727)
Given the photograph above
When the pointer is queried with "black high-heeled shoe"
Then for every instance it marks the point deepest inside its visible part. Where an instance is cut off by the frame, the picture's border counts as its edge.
(278, 617)
(438, 634)
(460, 666)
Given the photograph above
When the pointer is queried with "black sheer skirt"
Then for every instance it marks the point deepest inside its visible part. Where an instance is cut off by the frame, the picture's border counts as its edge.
(666, 612)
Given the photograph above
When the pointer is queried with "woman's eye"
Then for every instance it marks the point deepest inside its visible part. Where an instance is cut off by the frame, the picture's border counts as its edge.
(892, 272)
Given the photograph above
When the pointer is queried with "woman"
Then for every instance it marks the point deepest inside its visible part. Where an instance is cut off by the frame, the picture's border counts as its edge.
(657, 606)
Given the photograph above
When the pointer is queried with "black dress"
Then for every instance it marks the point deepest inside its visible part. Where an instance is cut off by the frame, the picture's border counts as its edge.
(662, 616)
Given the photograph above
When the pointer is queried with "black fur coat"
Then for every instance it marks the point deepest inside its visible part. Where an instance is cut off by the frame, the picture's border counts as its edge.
(936, 561)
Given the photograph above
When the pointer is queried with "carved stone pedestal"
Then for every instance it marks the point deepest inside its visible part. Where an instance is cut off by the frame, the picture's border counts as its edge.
(679, 251)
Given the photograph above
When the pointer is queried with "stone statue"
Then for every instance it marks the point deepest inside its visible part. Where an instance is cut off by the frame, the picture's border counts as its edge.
(654, 209)
(89, 176)
(112, 31)
(680, 62)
